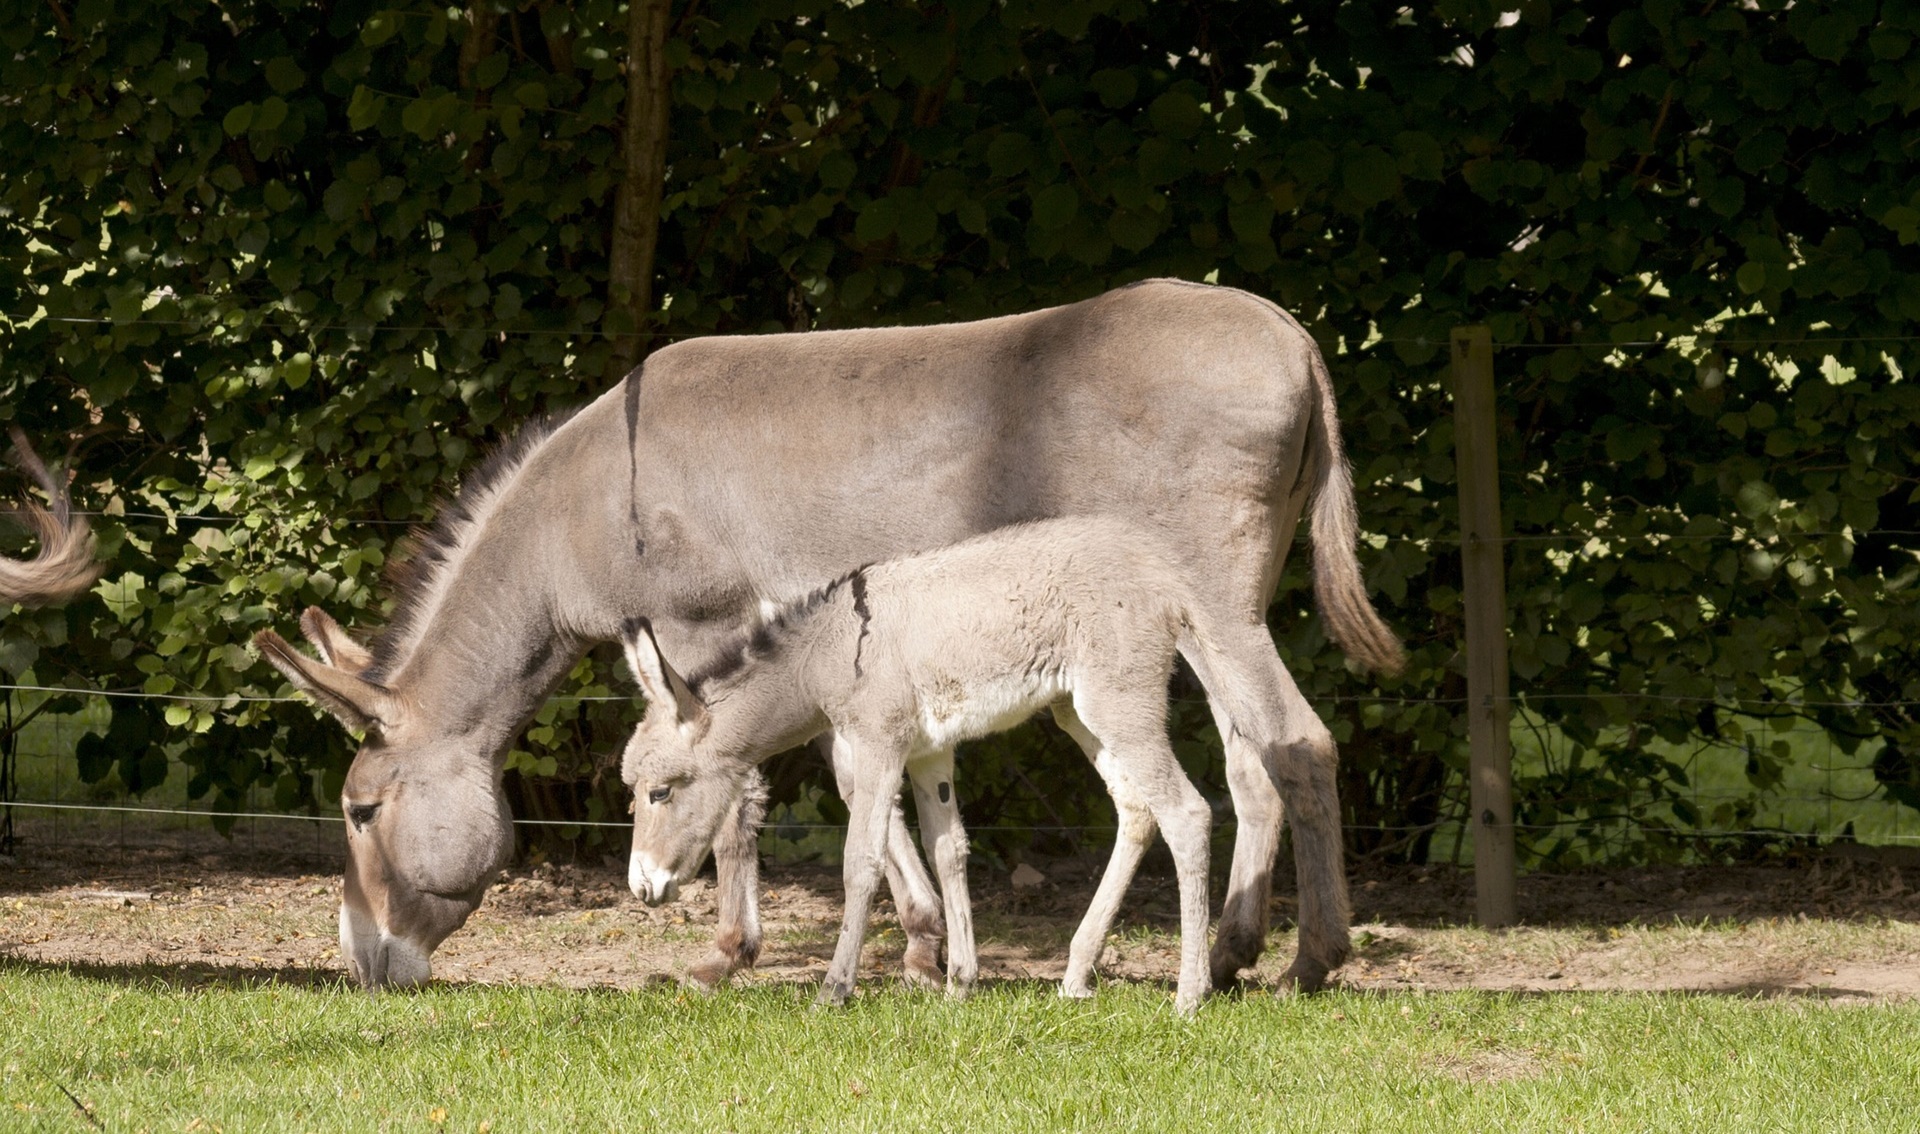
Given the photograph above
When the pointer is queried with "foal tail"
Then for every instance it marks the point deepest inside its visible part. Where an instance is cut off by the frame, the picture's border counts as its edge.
(1338, 589)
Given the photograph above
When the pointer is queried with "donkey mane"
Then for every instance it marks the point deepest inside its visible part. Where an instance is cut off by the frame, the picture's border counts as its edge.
(430, 555)
(764, 641)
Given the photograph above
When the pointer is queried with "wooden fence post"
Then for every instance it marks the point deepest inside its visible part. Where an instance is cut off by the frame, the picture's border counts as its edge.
(1483, 569)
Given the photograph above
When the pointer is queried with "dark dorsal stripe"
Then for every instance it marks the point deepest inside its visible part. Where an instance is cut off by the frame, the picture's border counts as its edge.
(766, 639)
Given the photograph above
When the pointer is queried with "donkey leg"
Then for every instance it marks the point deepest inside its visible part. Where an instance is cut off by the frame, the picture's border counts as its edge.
(1279, 750)
(915, 900)
(1257, 812)
(876, 789)
(1135, 835)
(946, 844)
(736, 864)
(1129, 721)
(914, 897)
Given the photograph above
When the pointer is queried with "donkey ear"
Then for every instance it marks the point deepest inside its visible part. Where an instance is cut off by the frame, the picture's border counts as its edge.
(336, 648)
(657, 679)
(360, 704)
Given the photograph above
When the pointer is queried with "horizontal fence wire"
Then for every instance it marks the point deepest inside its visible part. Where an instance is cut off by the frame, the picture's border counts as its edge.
(1612, 539)
(776, 826)
(1520, 699)
(268, 323)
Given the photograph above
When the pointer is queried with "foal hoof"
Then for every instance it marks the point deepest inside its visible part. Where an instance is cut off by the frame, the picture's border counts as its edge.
(708, 975)
(922, 965)
(1075, 990)
(833, 994)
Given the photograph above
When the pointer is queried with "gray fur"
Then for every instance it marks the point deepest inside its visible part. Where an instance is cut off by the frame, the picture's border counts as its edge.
(743, 471)
(904, 661)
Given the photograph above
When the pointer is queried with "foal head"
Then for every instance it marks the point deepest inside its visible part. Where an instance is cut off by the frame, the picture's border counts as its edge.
(426, 829)
(682, 790)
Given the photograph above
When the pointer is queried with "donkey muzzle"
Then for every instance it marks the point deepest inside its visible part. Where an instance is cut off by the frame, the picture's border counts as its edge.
(376, 958)
(650, 882)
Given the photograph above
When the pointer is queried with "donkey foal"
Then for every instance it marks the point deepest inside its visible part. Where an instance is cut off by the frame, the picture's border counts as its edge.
(904, 660)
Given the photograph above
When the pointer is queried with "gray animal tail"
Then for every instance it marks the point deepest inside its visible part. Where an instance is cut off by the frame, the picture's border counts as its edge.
(1338, 589)
(65, 565)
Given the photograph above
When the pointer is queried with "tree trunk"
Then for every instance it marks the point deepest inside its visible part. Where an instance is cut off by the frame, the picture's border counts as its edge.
(636, 209)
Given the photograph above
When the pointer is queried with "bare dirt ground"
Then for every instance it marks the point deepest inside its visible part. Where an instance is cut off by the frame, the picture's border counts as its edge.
(1831, 924)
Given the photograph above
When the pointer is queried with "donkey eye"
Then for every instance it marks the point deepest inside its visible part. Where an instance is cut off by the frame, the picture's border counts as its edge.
(362, 813)
(660, 794)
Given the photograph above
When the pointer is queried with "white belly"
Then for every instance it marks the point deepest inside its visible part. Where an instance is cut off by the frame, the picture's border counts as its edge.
(952, 711)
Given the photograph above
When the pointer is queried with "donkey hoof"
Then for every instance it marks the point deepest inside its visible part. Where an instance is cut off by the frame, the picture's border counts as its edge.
(1188, 1003)
(833, 994)
(922, 966)
(1076, 990)
(1303, 978)
(708, 975)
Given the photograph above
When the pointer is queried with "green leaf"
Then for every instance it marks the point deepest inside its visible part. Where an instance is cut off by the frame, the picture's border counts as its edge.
(1054, 206)
(364, 109)
(1369, 175)
(238, 120)
(1176, 114)
(972, 216)
(1751, 277)
(491, 70)
(1009, 153)
(284, 75)
(271, 114)
(1757, 499)
(1115, 87)
(838, 169)
(379, 28)
(876, 221)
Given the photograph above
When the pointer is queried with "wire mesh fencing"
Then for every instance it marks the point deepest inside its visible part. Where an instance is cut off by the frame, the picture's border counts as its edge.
(1810, 792)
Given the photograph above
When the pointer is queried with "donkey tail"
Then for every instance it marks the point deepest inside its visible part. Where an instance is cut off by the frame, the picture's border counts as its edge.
(1338, 589)
(65, 565)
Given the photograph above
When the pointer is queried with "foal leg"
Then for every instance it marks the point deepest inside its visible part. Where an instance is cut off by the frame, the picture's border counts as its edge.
(1136, 833)
(946, 843)
(736, 864)
(876, 792)
(913, 894)
(1277, 749)
(1131, 725)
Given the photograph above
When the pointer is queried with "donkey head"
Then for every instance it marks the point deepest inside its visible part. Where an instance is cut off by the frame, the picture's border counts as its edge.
(426, 828)
(682, 791)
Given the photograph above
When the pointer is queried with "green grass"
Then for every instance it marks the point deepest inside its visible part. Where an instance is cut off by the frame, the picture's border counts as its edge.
(145, 1052)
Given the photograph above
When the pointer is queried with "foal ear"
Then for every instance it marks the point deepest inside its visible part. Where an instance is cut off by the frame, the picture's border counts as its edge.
(658, 680)
(360, 704)
(336, 648)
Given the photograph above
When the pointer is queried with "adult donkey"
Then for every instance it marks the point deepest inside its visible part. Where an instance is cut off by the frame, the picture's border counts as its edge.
(64, 565)
(730, 475)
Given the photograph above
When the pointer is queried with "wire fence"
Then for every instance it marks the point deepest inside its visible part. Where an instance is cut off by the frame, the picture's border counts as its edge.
(1523, 701)
(1824, 796)
(276, 321)
(1651, 540)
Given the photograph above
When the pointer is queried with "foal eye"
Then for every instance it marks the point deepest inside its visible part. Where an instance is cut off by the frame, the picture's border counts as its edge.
(659, 794)
(362, 813)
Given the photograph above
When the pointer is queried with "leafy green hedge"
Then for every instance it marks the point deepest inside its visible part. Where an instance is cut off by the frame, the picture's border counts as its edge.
(300, 264)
